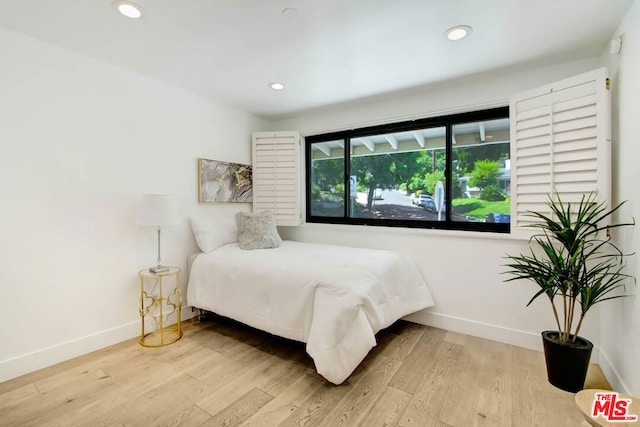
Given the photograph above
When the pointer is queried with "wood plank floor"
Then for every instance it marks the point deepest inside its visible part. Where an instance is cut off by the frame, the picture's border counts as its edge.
(222, 373)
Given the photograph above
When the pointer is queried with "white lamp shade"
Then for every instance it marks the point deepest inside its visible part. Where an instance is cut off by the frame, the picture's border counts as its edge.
(157, 210)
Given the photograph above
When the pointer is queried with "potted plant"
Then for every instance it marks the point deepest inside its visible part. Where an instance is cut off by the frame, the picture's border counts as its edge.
(575, 265)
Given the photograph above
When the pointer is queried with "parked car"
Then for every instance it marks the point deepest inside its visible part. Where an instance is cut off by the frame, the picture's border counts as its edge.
(429, 204)
(421, 200)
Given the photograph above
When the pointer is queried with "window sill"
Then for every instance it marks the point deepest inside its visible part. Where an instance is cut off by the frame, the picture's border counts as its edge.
(390, 231)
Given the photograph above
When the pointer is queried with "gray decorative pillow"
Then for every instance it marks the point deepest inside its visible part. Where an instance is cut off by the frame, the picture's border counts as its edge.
(257, 231)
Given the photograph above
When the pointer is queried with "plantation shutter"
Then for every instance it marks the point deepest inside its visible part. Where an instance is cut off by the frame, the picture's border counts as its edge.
(560, 144)
(276, 175)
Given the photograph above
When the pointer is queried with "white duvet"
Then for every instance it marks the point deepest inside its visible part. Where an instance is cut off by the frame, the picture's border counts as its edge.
(332, 298)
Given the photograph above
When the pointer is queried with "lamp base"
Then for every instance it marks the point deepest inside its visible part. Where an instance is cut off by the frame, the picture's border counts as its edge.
(158, 269)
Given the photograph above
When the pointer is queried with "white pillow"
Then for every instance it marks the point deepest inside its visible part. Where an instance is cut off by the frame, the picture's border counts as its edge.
(257, 231)
(211, 233)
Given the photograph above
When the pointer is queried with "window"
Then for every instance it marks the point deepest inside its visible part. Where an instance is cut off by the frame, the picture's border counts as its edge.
(449, 172)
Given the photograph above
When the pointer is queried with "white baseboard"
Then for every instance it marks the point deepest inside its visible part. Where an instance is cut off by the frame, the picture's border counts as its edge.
(23, 364)
(614, 378)
(26, 363)
(530, 340)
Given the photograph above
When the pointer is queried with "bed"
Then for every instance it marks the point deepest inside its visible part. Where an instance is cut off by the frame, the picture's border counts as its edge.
(333, 298)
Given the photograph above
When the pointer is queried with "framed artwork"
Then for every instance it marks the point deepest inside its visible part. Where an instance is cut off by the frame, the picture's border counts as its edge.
(224, 182)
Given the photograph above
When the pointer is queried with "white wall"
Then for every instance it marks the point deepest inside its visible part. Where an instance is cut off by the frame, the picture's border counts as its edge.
(463, 269)
(80, 142)
(620, 354)
(465, 94)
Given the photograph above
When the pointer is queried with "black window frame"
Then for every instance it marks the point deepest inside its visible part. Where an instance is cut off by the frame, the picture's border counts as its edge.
(446, 121)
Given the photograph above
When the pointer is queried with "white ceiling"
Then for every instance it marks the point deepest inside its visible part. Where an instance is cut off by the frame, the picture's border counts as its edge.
(333, 51)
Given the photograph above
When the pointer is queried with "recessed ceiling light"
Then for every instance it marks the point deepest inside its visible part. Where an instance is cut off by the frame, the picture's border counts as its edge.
(458, 32)
(290, 13)
(276, 85)
(128, 9)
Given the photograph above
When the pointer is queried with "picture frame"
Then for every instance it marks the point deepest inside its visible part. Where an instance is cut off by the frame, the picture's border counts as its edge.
(224, 182)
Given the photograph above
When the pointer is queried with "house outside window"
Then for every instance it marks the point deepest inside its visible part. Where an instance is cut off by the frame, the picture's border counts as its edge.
(448, 172)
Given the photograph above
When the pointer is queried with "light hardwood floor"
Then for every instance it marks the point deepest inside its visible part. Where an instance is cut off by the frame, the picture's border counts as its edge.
(222, 373)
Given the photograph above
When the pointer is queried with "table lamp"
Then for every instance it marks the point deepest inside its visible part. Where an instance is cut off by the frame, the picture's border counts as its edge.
(157, 210)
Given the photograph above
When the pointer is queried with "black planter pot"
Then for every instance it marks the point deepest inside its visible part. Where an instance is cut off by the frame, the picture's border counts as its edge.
(567, 364)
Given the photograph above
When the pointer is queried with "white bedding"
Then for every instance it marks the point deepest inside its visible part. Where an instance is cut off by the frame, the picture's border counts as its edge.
(332, 298)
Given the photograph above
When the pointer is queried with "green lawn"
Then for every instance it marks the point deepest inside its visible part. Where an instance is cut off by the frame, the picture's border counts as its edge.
(477, 208)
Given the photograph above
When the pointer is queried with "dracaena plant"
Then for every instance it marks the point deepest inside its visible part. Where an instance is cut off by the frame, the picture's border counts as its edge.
(572, 260)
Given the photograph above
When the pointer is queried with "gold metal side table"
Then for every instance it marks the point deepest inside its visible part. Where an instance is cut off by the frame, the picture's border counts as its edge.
(159, 306)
